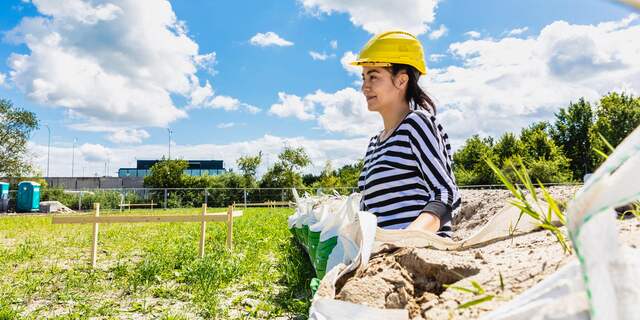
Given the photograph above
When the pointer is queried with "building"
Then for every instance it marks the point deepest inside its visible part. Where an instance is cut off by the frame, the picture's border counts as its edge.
(195, 168)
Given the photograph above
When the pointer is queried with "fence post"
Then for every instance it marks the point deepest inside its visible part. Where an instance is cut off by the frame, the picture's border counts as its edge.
(230, 226)
(206, 196)
(94, 247)
(203, 230)
(165, 198)
(80, 202)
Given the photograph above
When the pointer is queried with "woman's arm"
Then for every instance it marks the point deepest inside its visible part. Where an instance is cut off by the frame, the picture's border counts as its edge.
(427, 221)
(429, 148)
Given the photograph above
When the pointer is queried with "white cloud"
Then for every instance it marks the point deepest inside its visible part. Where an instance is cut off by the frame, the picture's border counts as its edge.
(344, 111)
(292, 106)
(473, 34)
(439, 33)
(230, 104)
(436, 57)
(319, 56)
(92, 157)
(225, 125)
(346, 59)
(128, 136)
(269, 39)
(251, 109)
(94, 152)
(509, 83)
(119, 62)
(206, 62)
(117, 134)
(204, 97)
(334, 44)
(517, 31)
(375, 16)
(225, 102)
(2, 78)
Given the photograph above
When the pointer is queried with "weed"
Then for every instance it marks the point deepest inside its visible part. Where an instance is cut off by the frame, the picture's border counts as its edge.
(532, 208)
(476, 290)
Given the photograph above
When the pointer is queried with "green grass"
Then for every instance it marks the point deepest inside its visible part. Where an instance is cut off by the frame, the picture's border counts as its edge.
(152, 270)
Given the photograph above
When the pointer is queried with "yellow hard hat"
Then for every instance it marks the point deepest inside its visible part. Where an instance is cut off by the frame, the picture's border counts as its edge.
(391, 47)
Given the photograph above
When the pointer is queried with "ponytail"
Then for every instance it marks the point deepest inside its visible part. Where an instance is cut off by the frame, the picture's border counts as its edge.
(414, 95)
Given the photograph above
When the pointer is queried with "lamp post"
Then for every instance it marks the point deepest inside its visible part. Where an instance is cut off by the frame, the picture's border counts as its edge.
(48, 147)
(73, 156)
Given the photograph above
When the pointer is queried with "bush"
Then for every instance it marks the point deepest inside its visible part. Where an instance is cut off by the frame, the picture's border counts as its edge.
(108, 199)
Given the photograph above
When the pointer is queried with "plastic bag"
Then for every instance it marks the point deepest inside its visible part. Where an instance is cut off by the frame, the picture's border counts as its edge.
(328, 239)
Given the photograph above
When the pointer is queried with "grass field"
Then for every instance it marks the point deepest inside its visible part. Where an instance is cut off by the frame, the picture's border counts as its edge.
(152, 270)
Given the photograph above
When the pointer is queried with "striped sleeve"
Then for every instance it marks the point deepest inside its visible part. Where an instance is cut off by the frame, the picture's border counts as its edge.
(429, 146)
(361, 178)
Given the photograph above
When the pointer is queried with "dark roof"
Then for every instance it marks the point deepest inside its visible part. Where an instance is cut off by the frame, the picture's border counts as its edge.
(193, 164)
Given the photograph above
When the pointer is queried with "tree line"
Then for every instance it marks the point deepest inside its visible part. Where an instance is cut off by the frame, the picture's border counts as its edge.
(562, 150)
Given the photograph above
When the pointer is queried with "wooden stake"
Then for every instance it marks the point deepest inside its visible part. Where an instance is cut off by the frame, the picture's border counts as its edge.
(94, 247)
(230, 227)
(203, 230)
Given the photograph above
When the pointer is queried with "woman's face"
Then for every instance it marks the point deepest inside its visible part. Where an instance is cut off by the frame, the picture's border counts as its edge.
(381, 89)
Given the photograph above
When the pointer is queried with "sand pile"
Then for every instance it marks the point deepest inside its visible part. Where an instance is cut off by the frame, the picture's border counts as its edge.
(415, 278)
(54, 207)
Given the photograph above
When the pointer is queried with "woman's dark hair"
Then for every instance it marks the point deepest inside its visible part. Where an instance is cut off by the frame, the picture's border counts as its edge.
(414, 93)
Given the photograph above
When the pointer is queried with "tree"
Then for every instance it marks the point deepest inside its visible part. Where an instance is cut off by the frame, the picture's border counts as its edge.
(469, 164)
(292, 160)
(328, 177)
(543, 157)
(537, 142)
(167, 174)
(16, 125)
(570, 132)
(617, 115)
(350, 173)
(508, 146)
(248, 165)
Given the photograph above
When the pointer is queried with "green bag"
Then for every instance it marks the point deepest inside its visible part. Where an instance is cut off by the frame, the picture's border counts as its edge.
(323, 251)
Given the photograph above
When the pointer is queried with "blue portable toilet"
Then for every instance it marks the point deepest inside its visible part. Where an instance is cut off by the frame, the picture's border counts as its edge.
(28, 197)
(4, 197)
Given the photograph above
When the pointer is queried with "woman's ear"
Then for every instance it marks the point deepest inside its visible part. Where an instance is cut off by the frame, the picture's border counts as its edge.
(401, 80)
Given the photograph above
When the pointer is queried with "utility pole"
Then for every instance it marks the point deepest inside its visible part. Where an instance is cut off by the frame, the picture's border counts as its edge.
(170, 132)
(73, 156)
(48, 148)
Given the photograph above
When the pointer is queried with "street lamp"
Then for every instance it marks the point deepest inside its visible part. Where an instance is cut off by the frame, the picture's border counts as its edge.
(170, 132)
(48, 147)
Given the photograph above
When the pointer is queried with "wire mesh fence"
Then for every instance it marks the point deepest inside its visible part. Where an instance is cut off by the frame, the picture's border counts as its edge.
(169, 198)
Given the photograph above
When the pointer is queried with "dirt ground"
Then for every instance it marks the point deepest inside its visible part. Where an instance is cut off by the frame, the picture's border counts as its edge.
(413, 278)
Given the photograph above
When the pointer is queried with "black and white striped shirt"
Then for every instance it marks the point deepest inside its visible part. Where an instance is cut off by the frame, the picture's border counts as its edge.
(408, 173)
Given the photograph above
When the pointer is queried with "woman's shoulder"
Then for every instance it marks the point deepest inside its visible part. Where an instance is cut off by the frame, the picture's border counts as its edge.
(422, 115)
(420, 120)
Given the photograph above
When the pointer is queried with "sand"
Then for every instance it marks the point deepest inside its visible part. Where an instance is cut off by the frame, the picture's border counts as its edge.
(414, 278)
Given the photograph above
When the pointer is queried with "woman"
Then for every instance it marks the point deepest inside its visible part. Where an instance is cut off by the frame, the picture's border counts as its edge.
(407, 180)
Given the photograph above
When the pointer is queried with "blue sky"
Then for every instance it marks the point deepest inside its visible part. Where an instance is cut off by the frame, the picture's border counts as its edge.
(115, 74)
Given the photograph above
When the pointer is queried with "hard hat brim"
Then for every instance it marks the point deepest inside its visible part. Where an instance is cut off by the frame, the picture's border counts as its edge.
(361, 63)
